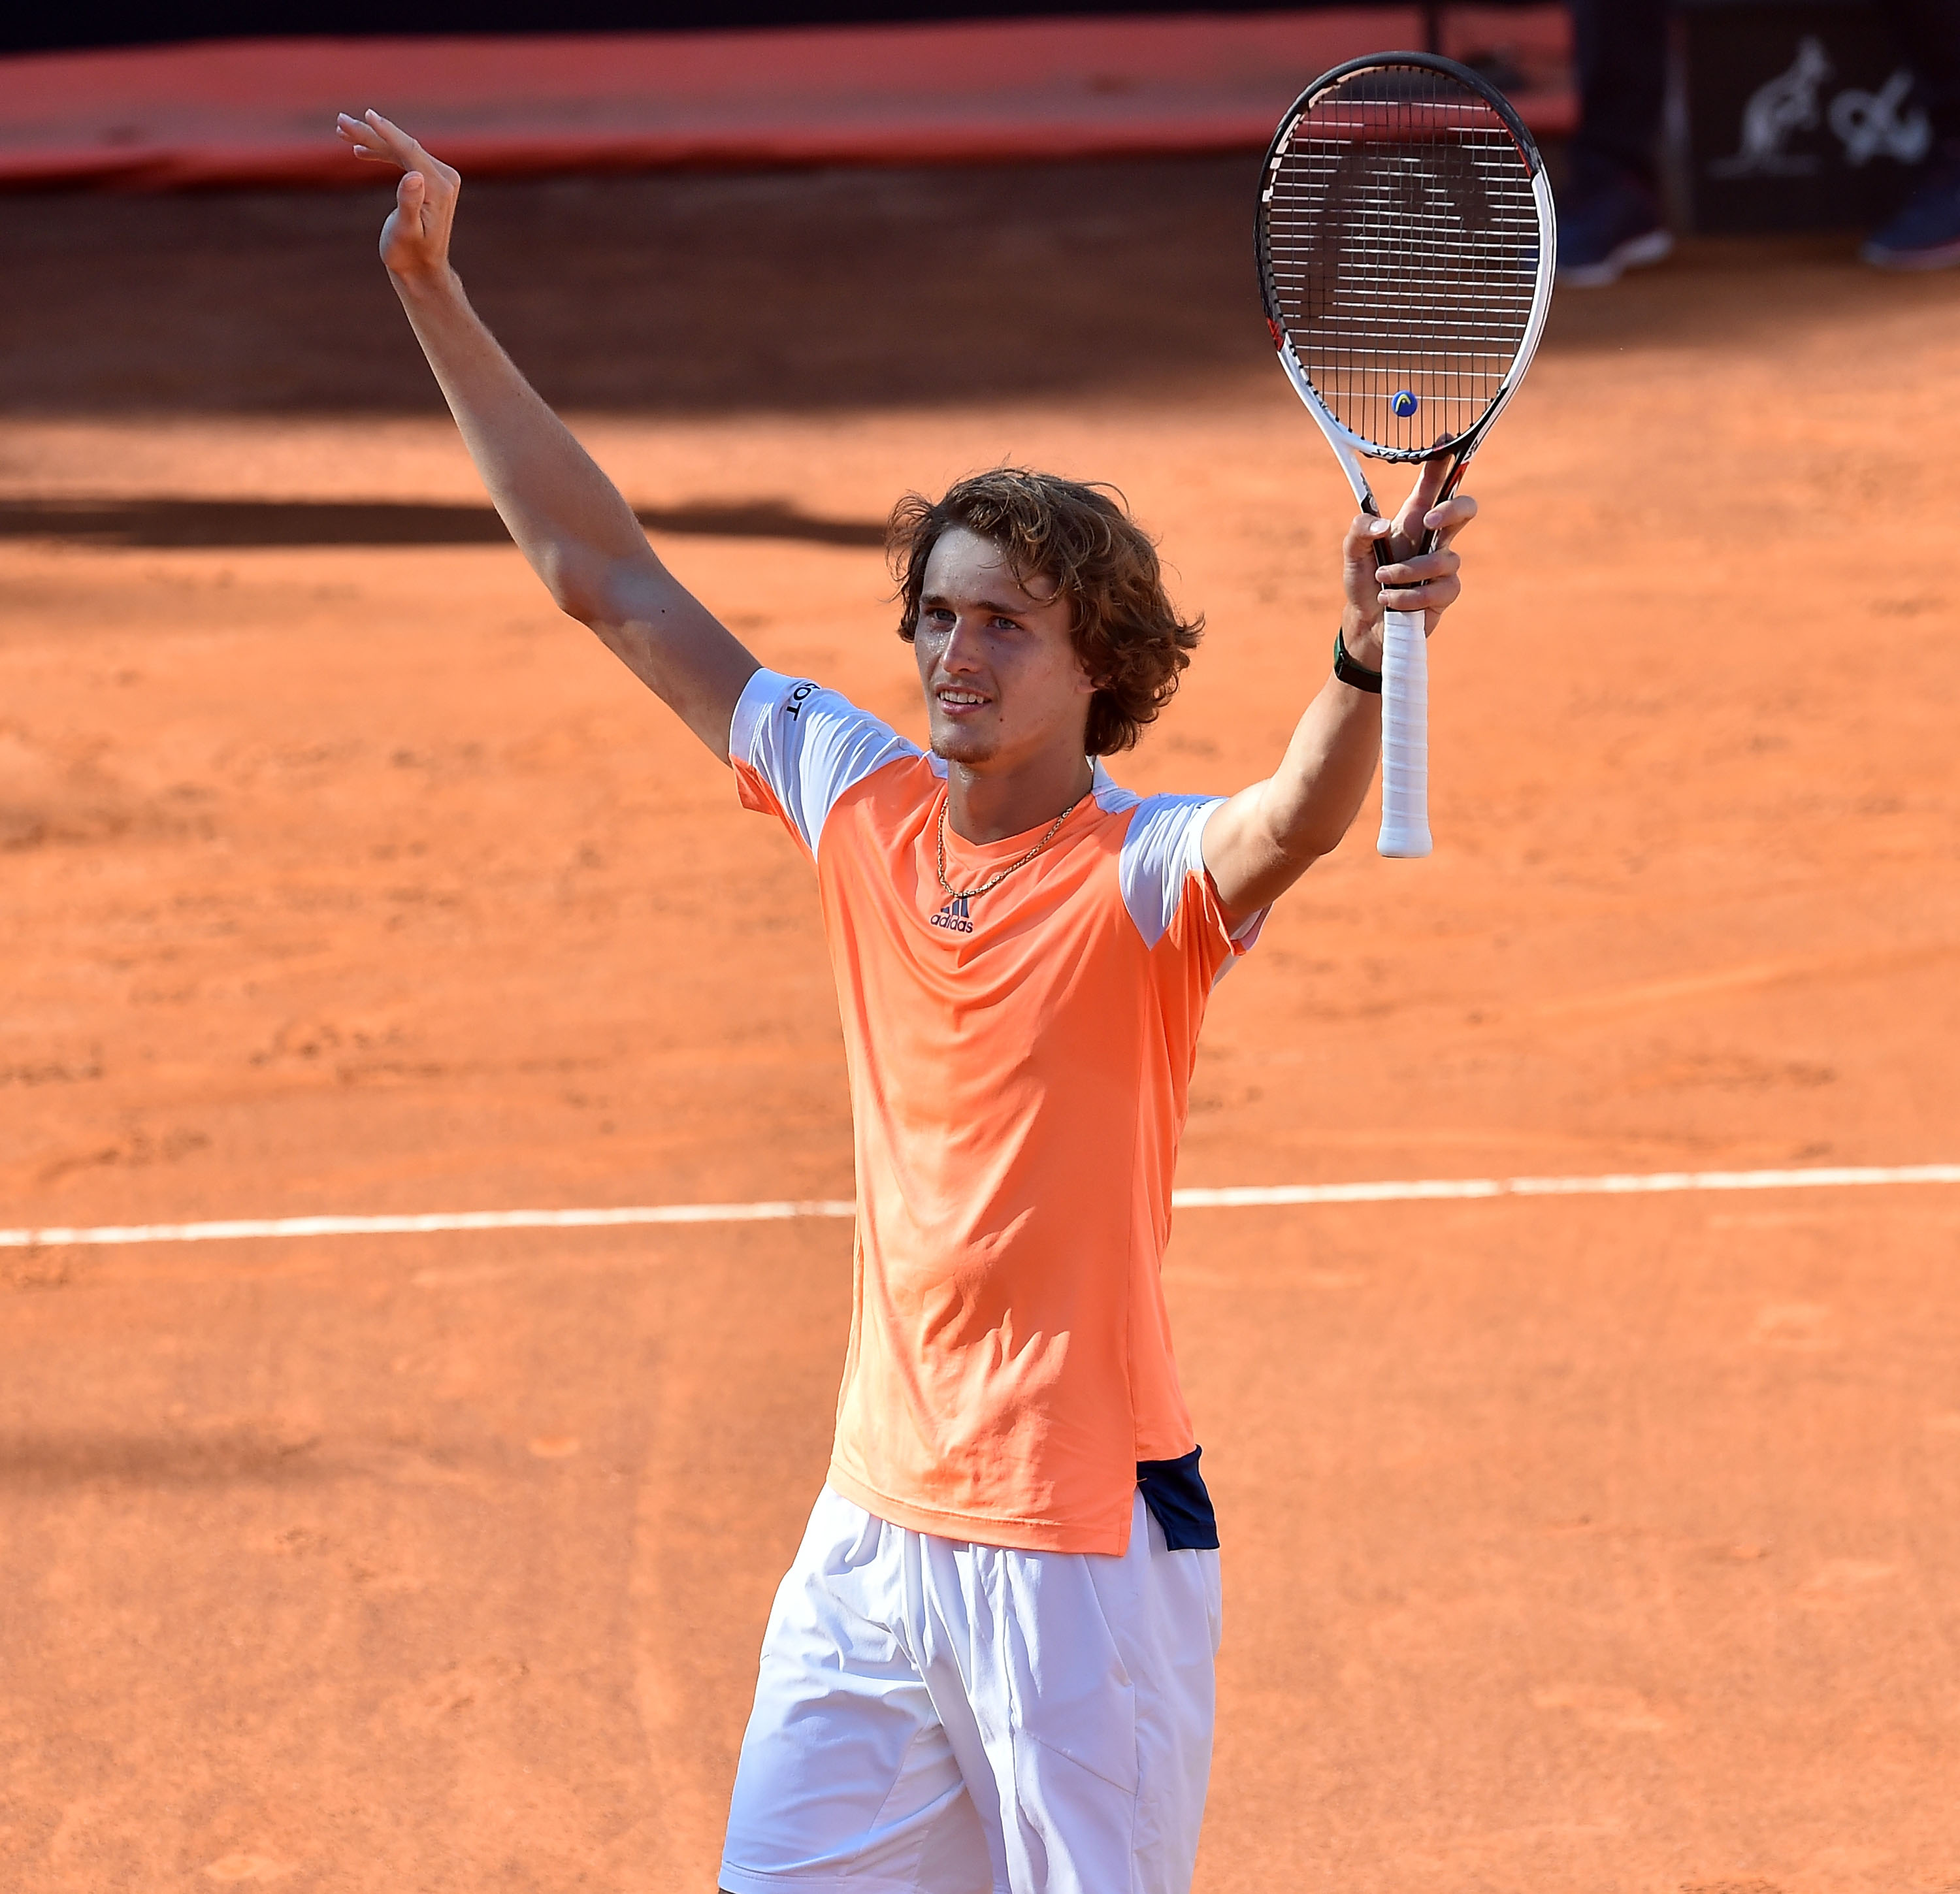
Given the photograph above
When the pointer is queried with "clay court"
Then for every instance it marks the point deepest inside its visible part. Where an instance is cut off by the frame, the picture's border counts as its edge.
(1608, 1544)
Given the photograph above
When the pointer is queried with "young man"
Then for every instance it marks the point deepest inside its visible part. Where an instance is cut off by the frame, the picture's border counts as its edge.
(990, 1666)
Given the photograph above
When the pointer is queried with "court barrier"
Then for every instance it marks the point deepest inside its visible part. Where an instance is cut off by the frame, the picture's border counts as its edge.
(260, 112)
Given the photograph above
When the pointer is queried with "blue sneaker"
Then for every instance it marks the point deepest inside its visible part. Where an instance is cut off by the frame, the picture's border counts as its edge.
(1611, 229)
(1925, 232)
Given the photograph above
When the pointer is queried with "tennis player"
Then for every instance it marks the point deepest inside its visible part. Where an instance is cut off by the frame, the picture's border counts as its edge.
(990, 1667)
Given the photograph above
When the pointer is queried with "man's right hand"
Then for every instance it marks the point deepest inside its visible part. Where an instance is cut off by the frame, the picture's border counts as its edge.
(415, 241)
(568, 519)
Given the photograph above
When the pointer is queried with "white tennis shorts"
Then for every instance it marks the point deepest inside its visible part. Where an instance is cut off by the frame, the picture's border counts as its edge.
(945, 1718)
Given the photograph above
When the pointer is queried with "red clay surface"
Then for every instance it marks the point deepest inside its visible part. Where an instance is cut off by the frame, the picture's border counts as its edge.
(1598, 1546)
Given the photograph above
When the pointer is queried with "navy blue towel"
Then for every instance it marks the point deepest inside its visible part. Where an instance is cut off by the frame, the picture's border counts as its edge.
(1174, 1491)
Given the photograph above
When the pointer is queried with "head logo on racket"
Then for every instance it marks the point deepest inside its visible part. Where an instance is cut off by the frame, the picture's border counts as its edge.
(1406, 241)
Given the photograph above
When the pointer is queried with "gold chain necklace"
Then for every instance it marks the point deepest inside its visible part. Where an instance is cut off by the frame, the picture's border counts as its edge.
(994, 881)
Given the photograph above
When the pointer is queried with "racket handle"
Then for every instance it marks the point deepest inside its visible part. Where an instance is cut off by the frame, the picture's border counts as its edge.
(1404, 737)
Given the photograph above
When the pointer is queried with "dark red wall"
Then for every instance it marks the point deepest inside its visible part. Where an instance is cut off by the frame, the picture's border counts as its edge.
(83, 23)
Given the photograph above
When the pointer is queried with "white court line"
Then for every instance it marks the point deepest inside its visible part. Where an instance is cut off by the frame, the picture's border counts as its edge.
(1404, 1190)
(1624, 1184)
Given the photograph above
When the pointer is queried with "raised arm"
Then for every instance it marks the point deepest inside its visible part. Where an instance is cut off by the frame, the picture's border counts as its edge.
(567, 519)
(1260, 843)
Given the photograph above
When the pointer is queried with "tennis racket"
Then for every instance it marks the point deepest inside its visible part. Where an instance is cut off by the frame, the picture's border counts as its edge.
(1406, 246)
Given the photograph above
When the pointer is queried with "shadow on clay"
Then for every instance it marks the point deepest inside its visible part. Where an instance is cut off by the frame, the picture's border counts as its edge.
(155, 524)
(160, 1460)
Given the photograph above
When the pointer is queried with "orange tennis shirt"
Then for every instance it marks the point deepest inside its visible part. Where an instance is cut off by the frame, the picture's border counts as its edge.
(1019, 1069)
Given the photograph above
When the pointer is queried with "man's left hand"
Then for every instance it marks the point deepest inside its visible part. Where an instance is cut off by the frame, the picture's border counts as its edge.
(1425, 582)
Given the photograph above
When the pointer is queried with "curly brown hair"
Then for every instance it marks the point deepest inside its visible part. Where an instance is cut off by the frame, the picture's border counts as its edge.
(1131, 640)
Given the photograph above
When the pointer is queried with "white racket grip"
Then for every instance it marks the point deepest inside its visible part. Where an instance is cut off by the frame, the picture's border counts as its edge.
(1404, 738)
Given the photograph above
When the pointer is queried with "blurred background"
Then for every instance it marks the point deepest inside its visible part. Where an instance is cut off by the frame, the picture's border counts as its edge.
(1715, 117)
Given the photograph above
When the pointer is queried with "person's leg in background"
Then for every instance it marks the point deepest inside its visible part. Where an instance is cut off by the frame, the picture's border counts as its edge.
(1609, 215)
(1925, 234)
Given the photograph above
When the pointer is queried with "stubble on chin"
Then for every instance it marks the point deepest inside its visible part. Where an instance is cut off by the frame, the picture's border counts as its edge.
(958, 746)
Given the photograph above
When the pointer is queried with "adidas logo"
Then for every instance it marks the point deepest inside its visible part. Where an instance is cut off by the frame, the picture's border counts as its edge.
(953, 916)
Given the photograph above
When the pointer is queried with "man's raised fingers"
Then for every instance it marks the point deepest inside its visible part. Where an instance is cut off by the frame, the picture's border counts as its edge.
(1450, 518)
(1363, 530)
(1430, 480)
(362, 139)
(1436, 596)
(406, 151)
(389, 133)
(1424, 568)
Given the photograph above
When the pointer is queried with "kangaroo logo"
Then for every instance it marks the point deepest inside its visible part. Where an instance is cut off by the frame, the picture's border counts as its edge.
(953, 917)
(1787, 104)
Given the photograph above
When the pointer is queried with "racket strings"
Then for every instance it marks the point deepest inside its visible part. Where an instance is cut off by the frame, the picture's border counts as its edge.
(1402, 234)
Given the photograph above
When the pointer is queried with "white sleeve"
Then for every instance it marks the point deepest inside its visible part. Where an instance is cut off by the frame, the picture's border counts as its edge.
(806, 746)
(1163, 862)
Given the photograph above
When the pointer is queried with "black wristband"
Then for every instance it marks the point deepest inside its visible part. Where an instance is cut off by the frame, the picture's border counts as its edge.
(1352, 671)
